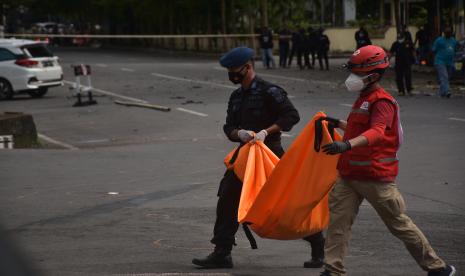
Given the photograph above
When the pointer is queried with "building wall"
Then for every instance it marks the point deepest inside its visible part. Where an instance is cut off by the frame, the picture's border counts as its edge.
(343, 40)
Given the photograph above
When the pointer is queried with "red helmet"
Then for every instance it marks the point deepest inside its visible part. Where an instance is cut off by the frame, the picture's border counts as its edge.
(367, 59)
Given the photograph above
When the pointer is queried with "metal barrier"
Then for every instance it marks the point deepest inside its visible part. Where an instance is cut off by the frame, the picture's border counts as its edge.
(82, 70)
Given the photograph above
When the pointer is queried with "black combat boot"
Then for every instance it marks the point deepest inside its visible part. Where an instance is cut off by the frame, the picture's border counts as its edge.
(318, 252)
(220, 258)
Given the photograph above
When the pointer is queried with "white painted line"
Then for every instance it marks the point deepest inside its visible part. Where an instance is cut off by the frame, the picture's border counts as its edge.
(55, 142)
(94, 141)
(346, 105)
(110, 93)
(457, 119)
(193, 81)
(192, 112)
(127, 69)
(286, 135)
(101, 65)
(270, 75)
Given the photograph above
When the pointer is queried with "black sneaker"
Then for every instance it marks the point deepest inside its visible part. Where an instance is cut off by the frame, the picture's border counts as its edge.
(217, 259)
(314, 263)
(447, 271)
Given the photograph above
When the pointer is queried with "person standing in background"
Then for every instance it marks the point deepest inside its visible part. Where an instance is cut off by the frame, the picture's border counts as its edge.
(295, 42)
(323, 48)
(404, 51)
(284, 39)
(422, 37)
(266, 44)
(362, 38)
(444, 51)
(313, 41)
(406, 33)
(301, 48)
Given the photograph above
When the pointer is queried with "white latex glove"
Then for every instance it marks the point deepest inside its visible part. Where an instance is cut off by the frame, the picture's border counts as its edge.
(260, 136)
(245, 135)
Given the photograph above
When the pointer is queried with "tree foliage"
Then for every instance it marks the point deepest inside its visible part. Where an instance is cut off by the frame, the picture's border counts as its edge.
(192, 16)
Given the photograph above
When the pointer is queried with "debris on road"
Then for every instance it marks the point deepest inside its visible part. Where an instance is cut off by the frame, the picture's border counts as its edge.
(192, 102)
(152, 106)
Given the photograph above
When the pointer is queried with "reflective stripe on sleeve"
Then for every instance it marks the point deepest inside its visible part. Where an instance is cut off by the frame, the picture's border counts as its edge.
(368, 163)
(359, 163)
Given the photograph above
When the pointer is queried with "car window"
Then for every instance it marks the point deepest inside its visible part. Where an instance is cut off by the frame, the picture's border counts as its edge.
(6, 55)
(37, 50)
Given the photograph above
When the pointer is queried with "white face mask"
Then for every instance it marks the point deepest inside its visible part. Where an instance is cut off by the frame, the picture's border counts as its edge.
(355, 83)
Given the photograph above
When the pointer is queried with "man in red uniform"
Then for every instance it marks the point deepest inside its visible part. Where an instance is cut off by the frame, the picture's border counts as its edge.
(368, 167)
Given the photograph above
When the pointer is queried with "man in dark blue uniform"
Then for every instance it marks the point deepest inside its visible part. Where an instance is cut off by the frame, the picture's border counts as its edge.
(258, 110)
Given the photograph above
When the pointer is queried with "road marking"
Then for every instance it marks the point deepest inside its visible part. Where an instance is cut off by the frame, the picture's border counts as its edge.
(457, 119)
(101, 65)
(269, 75)
(286, 135)
(94, 141)
(346, 105)
(127, 69)
(194, 81)
(110, 93)
(55, 142)
(192, 112)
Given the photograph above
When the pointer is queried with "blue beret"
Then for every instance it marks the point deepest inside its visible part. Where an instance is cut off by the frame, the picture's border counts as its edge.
(236, 57)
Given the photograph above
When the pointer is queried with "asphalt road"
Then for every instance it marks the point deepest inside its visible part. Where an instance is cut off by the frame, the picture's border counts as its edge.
(123, 190)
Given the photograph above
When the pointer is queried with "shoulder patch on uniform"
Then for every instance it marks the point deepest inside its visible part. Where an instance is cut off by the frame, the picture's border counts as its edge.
(365, 105)
(277, 93)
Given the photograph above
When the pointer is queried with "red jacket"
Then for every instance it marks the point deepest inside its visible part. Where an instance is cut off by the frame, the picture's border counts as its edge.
(378, 160)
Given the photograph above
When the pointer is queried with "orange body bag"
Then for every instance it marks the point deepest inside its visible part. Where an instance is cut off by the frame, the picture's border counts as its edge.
(288, 198)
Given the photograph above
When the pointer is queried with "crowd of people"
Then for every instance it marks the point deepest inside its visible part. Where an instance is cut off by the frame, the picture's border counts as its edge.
(442, 52)
(307, 45)
(304, 44)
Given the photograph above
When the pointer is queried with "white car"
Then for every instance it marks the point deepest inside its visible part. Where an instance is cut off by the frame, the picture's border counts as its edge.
(27, 66)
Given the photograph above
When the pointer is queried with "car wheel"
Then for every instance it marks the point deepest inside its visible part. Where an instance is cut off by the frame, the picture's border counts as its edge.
(38, 93)
(6, 91)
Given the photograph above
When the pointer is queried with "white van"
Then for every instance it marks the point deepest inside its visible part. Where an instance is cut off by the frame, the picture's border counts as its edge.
(27, 66)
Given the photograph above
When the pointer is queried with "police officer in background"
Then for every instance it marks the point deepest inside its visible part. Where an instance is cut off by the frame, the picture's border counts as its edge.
(303, 50)
(294, 45)
(362, 38)
(284, 39)
(404, 51)
(323, 48)
(313, 45)
(257, 110)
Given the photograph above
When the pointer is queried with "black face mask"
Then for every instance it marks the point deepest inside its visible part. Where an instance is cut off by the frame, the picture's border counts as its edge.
(237, 77)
